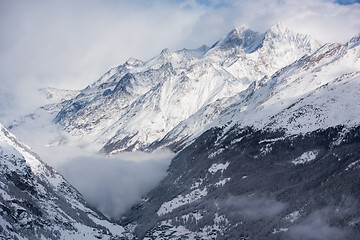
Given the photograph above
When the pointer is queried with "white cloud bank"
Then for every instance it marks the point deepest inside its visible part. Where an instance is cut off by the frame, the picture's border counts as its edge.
(111, 184)
(114, 184)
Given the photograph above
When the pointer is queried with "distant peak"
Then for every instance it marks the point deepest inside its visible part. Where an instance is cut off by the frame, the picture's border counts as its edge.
(355, 39)
(239, 30)
(240, 37)
(166, 51)
(133, 62)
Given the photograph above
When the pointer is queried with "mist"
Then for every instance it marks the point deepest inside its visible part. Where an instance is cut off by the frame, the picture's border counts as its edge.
(316, 227)
(114, 184)
(110, 184)
(256, 206)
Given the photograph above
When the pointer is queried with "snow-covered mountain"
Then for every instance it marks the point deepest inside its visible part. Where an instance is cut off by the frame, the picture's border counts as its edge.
(280, 160)
(36, 202)
(266, 130)
(317, 91)
(139, 103)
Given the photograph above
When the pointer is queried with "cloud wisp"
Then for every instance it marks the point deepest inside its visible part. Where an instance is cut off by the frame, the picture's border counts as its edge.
(254, 207)
(327, 223)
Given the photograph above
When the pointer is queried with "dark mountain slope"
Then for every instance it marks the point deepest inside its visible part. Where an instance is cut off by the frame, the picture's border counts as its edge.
(258, 184)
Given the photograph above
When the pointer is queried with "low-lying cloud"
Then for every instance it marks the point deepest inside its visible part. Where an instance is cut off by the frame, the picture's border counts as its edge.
(328, 223)
(316, 227)
(254, 206)
(114, 184)
(110, 184)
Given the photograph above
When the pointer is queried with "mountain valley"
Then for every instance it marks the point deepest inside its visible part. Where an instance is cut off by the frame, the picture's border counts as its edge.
(265, 128)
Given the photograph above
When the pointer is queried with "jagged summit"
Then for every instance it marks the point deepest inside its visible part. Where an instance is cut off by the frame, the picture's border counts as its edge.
(166, 51)
(355, 40)
(279, 28)
(133, 62)
(241, 37)
(138, 103)
(237, 32)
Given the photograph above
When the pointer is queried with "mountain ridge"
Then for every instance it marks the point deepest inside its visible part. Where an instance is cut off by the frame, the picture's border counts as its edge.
(211, 74)
(265, 127)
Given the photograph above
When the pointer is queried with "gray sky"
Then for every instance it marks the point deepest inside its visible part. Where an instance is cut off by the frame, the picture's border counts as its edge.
(69, 44)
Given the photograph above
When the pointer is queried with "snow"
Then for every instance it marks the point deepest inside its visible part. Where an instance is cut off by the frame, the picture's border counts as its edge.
(4, 224)
(114, 229)
(305, 157)
(197, 184)
(56, 198)
(271, 140)
(218, 167)
(302, 97)
(181, 200)
(217, 152)
(266, 149)
(173, 86)
(196, 215)
(54, 95)
(292, 217)
(166, 230)
(222, 182)
(275, 231)
(354, 165)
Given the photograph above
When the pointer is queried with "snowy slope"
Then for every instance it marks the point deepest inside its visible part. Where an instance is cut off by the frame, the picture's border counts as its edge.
(252, 55)
(138, 103)
(38, 203)
(55, 95)
(317, 91)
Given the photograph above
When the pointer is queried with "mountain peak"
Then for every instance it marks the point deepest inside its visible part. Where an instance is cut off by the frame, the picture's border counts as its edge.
(166, 51)
(133, 62)
(238, 30)
(355, 39)
(279, 28)
(242, 37)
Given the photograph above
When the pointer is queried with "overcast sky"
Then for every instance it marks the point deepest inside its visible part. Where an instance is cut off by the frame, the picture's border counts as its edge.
(69, 44)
